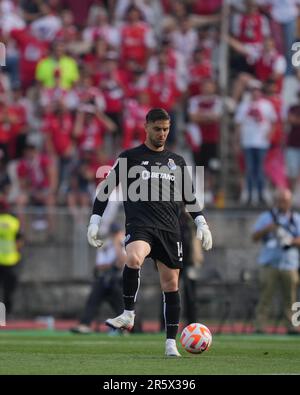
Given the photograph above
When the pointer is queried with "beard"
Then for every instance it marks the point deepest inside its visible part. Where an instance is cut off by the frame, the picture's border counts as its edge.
(157, 143)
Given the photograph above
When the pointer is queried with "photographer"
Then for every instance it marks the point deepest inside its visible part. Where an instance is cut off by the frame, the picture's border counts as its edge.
(279, 231)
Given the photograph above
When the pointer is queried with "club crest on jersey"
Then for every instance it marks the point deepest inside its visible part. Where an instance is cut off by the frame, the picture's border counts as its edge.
(171, 164)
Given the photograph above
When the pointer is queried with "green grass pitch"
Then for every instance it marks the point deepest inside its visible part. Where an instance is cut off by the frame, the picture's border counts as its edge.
(58, 352)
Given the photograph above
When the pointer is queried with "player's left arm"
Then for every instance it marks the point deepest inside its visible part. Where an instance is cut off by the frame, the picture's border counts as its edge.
(193, 207)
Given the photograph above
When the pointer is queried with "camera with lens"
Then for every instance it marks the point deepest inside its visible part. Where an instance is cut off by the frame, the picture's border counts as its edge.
(284, 237)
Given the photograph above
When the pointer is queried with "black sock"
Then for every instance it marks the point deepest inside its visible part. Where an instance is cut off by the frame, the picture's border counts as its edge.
(131, 284)
(171, 313)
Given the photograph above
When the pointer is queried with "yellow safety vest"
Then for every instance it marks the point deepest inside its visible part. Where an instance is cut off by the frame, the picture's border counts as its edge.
(9, 228)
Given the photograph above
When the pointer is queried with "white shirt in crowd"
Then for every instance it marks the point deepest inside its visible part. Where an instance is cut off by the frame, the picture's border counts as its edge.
(255, 119)
(282, 11)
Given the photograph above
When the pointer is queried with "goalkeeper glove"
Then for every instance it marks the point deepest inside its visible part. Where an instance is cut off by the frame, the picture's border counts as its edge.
(93, 231)
(203, 232)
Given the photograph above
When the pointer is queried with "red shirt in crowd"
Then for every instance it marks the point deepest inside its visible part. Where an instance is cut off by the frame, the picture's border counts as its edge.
(91, 134)
(12, 123)
(267, 65)
(35, 171)
(80, 9)
(250, 28)
(134, 123)
(197, 73)
(278, 132)
(135, 42)
(32, 50)
(163, 89)
(204, 7)
(59, 128)
(210, 130)
(112, 88)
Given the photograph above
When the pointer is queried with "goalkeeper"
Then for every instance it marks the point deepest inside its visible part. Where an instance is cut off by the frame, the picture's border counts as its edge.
(154, 184)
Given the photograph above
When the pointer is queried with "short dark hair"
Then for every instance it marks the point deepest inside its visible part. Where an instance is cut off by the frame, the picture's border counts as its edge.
(157, 114)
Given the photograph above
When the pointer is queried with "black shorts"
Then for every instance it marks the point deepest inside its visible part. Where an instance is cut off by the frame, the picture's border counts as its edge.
(165, 246)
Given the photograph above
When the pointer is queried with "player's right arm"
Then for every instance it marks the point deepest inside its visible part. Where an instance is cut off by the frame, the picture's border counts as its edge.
(104, 191)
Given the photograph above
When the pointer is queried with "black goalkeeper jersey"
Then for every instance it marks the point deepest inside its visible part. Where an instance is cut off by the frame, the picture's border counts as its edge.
(154, 186)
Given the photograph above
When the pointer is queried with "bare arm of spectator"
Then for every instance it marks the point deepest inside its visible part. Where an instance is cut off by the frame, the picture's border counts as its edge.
(258, 235)
(204, 116)
(200, 20)
(53, 175)
(108, 123)
(78, 124)
(237, 45)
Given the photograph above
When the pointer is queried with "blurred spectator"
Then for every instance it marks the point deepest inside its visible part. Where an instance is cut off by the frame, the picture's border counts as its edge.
(57, 65)
(4, 83)
(134, 119)
(203, 7)
(283, 16)
(12, 123)
(93, 61)
(110, 80)
(68, 31)
(267, 64)
(137, 39)
(205, 111)
(32, 50)
(100, 28)
(175, 62)
(37, 176)
(21, 108)
(49, 97)
(200, 69)
(10, 16)
(249, 27)
(12, 63)
(5, 181)
(293, 145)
(11, 243)
(272, 94)
(91, 126)
(33, 9)
(165, 92)
(279, 231)
(274, 164)
(184, 38)
(86, 93)
(108, 276)
(80, 10)
(134, 81)
(58, 128)
(46, 27)
(254, 125)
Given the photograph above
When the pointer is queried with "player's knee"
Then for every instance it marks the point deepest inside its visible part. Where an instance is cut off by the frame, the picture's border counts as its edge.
(134, 261)
(170, 285)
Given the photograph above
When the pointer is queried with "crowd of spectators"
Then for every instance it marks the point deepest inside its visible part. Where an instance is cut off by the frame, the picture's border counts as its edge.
(81, 75)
